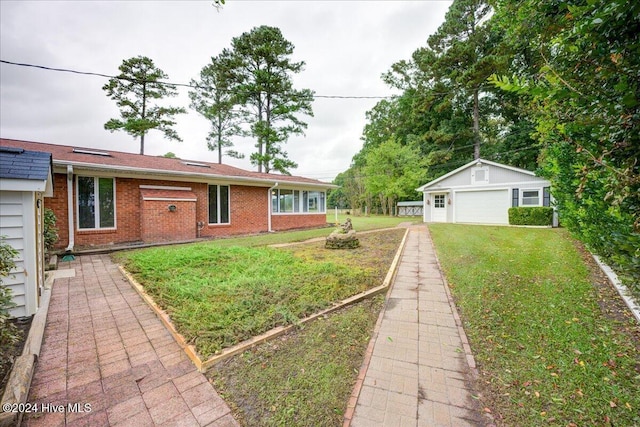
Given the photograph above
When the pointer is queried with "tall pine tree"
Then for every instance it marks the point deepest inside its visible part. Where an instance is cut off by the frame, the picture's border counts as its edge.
(136, 90)
(262, 81)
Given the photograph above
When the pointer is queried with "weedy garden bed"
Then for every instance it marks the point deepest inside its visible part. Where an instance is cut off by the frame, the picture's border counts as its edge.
(304, 378)
(219, 296)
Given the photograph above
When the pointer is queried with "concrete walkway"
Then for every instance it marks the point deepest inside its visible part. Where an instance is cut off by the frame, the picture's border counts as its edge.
(104, 347)
(420, 367)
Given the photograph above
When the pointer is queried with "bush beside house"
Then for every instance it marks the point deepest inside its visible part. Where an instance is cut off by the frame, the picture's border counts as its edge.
(9, 334)
(531, 216)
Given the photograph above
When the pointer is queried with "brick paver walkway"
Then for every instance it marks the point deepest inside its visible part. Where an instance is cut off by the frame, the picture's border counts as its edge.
(103, 346)
(419, 373)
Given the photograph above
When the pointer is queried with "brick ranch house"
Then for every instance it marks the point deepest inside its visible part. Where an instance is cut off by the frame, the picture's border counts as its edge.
(104, 197)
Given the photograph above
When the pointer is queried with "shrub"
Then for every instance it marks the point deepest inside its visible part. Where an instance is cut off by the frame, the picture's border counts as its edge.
(50, 230)
(531, 216)
(9, 334)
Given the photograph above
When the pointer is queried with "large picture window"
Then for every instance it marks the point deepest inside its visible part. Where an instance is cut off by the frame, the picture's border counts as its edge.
(295, 201)
(96, 202)
(219, 204)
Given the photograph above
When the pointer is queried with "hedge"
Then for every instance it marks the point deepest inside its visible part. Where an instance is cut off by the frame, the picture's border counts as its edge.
(531, 216)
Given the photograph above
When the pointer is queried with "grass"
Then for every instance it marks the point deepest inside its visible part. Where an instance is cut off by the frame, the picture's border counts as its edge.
(360, 223)
(547, 353)
(303, 379)
(372, 222)
(219, 295)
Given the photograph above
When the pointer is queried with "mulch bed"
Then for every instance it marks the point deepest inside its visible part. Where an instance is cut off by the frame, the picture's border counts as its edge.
(7, 358)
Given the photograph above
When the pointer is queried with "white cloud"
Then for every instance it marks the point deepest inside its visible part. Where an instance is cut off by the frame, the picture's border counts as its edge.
(346, 45)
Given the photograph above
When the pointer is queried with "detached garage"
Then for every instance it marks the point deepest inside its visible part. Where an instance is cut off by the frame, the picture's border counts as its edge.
(481, 192)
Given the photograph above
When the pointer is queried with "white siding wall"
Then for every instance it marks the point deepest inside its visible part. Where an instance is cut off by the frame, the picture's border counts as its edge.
(17, 222)
(496, 176)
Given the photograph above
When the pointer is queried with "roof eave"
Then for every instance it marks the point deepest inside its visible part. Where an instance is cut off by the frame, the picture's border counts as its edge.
(161, 172)
(471, 163)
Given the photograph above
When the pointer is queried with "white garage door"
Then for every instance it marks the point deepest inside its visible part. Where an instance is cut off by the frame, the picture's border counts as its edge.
(482, 207)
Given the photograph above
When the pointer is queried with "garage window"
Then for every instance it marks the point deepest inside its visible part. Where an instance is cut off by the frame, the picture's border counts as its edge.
(530, 197)
(438, 201)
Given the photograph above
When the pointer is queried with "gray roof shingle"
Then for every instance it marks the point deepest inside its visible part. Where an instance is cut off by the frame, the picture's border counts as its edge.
(17, 163)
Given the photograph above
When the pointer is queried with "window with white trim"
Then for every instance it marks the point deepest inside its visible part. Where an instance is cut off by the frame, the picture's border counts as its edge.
(96, 202)
(296, 201)
(219, 204)
(286, 201)
(313, 201)
(531, 198)
(438, 201)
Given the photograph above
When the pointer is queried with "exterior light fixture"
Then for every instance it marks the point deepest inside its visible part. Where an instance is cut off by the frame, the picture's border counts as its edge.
(172, 208)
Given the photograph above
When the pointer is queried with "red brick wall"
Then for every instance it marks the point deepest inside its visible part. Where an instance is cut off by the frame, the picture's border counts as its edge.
(58, 204)
(288, 222)
(249, 211)
(128, 218)
(159, 224)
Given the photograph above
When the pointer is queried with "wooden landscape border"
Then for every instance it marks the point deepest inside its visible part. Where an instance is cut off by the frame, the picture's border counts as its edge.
(205, 365)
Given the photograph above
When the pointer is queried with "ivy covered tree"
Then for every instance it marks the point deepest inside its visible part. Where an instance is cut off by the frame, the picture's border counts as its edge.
(262, 71)
(216, 100)
(583, 82)
(136, 90)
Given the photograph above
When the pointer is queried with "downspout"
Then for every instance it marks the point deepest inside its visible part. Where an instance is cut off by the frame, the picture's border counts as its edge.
(269, 207)
(70, 208)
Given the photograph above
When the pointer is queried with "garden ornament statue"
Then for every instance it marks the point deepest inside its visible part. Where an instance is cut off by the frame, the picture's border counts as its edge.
(343, 237)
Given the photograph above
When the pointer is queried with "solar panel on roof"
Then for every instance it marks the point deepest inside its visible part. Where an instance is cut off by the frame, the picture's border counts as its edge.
(93, 153)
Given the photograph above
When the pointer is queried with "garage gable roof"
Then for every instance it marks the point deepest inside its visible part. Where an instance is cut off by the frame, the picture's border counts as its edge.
(474, 163)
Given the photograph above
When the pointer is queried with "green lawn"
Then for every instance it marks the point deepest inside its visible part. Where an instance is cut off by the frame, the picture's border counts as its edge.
(371, 222)
(219, 295)
(547, 353)
(360, 223)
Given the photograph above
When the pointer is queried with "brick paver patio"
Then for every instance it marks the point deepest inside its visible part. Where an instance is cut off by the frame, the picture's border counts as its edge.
(419, 371)
(104, 347)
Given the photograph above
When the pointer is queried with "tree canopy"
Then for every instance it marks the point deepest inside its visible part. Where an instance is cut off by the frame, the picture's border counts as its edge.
(548, 86)
(581, 77)
(261, 70)
(215, 99)
(136, 90)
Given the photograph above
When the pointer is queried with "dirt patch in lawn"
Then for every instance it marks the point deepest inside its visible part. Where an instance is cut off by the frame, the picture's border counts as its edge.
(303, 378)
(375, 253)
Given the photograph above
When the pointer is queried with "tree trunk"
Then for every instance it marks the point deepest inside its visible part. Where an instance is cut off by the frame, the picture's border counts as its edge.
(219, 139)
(391, 201)
(383, 204)
(260, 137)
(144, 113)
(476, 125)
(267, 146)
